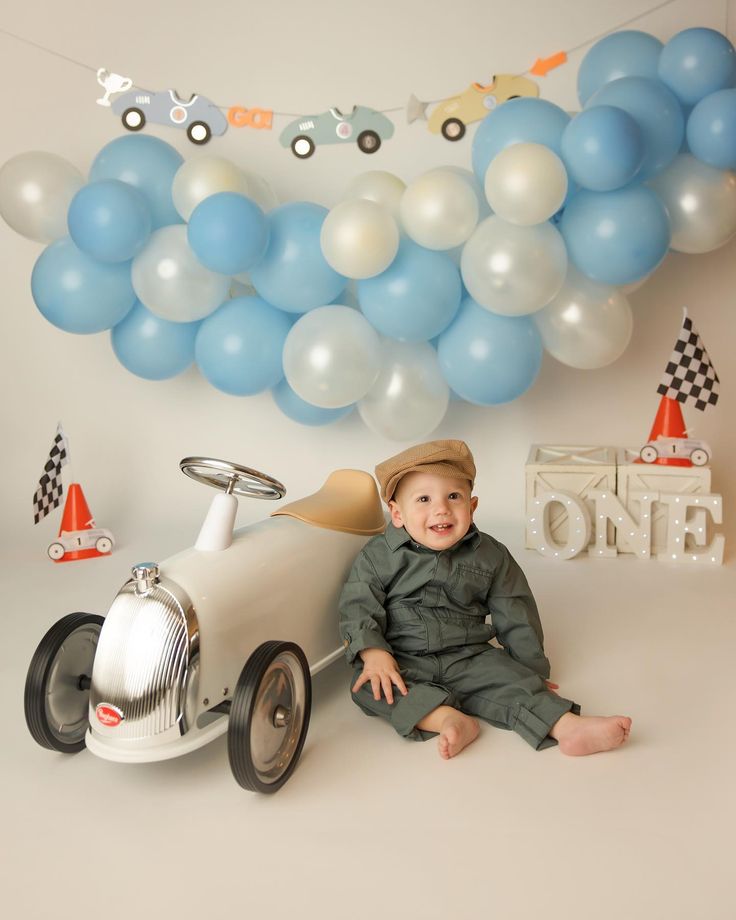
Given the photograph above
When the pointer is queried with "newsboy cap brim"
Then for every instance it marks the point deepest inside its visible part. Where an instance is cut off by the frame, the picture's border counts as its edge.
(448, 459)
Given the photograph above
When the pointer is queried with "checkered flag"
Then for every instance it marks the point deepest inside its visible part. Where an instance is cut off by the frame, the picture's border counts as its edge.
(50, 488)
(689, 375)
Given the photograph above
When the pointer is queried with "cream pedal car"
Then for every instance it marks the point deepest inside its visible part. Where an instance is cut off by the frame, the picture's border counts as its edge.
(223, 637)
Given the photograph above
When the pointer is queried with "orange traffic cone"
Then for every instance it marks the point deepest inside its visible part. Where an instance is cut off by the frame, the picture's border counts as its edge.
(669, 423)
(76, 519)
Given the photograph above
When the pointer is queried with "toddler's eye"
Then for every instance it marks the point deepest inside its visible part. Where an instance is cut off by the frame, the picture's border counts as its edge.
(423, 498)
(454, 495)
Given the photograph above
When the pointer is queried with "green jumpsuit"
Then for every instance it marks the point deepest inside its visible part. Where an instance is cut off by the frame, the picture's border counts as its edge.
(428, 609)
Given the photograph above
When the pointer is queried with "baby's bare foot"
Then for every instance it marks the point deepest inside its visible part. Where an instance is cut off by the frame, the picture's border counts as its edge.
(580, 735)
(457, 732)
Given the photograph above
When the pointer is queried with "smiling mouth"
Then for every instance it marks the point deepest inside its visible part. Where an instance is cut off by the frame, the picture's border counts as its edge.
(441, 528)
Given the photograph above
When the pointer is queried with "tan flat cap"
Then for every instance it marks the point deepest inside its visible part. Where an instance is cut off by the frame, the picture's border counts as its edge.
(449, 459)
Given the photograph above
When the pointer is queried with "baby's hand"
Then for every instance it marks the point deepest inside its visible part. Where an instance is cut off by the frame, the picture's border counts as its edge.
(551, 686)
(380, 668)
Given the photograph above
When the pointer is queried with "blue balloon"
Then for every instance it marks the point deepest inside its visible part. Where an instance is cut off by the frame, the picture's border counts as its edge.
(657, 112)
(697, 62)
(228, 233)
(297, 409)
(293, 275)
(109, 220)
(152, 347)
(77, 293)
(487, 358)
(711, 129)
(238, 347)
(602, 148)
(622, 54)
(147, 163)
(616, 237)
(416, 297)
(517, 121)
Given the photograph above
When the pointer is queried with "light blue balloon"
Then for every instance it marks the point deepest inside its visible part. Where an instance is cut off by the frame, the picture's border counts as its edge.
(629, 53)
(228, 233)
(293, 275)
(616, 237)
(147, 163)
(152, 347)
(697, 62)
(602, 148)
(711, 129)
(489, 359)
(109, 220)
(77, 293)
(657, 112)
(416, 297)
(238, 347)
(298, 410)
(517, 121)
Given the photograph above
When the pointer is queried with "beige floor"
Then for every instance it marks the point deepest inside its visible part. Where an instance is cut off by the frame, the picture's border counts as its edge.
(371, 825)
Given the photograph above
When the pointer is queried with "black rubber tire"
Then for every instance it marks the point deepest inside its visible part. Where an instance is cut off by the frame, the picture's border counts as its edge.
(310, 151)
(201, 140)
(39, 671)
(241, 715)
(453, 123)
(135, 127)
(368, 141)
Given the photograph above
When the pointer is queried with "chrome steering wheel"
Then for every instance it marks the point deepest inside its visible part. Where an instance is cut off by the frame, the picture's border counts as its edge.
(232, 478)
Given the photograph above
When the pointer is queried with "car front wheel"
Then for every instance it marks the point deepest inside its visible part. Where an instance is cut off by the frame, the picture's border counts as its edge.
(648, 454)
(368, 141)
(199, 132)
(133, 119)
(56, 551)
(453, 129)
(269, 716)
(302, 147)
(56, 698)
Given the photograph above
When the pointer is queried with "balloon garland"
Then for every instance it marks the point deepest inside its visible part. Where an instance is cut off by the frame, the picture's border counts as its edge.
(558, 213)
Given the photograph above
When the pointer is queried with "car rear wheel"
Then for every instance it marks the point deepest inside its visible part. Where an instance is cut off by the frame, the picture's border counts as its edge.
(133, 119)
(648, 453)
(56, 698)
(302, 147)
(368, 141)
(699, 457)
(199, 132)
(103, 545)
(453, 129)
(269, 716)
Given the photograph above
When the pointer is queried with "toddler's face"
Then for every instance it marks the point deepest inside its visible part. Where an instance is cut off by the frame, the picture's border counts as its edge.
(435, 512)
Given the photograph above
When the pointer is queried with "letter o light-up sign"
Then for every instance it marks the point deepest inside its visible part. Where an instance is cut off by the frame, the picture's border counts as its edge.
(579, 526)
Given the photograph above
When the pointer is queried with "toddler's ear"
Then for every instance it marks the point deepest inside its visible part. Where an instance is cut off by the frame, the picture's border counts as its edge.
(396, 518)
(473, 504)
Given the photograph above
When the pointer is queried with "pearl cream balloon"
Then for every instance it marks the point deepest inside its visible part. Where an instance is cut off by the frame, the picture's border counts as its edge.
(377, 185)
(513, 270)
(200, 177)
(439, 210)
(410, 397)
(169, 279)
(587, 325)
(332, 356)
(701, 203)
(526, 184)
(36, 189)
(359, 238)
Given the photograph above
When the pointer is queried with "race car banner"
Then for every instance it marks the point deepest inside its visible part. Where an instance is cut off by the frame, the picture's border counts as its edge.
(689, 374)
(50, 487)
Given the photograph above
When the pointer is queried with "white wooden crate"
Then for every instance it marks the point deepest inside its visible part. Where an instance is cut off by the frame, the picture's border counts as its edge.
(580, 470)
(653, 477)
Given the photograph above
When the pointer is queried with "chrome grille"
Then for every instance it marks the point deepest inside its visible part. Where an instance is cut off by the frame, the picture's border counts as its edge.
(148, 645)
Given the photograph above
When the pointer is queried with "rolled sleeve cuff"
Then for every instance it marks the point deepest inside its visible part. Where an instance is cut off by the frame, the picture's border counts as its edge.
(356, 641)
(538, 665)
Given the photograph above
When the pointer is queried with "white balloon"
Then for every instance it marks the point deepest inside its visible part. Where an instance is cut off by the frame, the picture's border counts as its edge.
(377, 185)
(359, 238)
(332, 356)
(36, 189)
(169, 279)
(200, 177)
(410, 397)
(513, 270)
(701, 202)
(259, 189)
(526, 183)
(439, 210)
(587, 325)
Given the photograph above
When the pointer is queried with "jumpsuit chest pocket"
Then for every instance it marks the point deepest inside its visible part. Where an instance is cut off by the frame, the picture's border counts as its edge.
(469, 587)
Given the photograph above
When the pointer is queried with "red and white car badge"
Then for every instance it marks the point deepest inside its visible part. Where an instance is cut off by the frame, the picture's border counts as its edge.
(109, 715)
